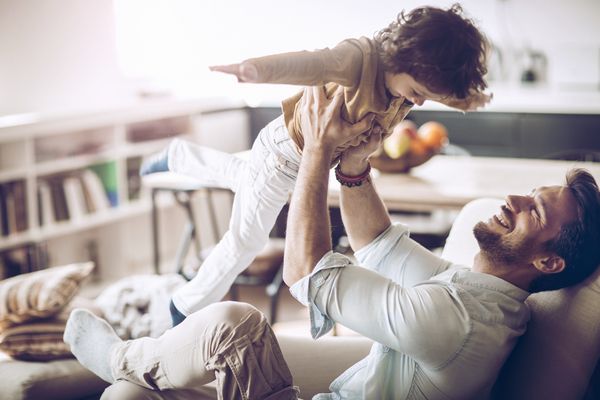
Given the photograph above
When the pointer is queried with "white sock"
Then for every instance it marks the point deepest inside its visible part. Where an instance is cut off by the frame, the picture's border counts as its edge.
(91, 340)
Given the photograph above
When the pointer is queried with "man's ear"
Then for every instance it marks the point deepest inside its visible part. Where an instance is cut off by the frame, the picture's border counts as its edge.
(550, 264)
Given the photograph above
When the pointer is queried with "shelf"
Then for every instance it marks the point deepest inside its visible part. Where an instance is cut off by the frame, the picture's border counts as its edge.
(14, 174)
(40, 125)
(73, 163)
(47, 157)
(63, 228)
(17, 239)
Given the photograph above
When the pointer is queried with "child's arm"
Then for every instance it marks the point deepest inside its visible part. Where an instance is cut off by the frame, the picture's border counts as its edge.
(341, 65)
(472, 102)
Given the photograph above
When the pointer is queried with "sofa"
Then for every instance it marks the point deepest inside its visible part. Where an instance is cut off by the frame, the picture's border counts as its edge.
(555, 359)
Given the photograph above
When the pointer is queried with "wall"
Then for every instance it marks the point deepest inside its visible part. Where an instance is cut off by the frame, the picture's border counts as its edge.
(58, 55)
(61, 54)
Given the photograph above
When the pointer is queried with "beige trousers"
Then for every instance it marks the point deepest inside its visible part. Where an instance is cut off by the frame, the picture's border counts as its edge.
(229, 342)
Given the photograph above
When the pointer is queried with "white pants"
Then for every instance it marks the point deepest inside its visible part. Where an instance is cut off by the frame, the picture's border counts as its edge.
(262, 187)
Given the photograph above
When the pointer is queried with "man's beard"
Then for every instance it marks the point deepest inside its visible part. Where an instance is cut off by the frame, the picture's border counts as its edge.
(497, 248)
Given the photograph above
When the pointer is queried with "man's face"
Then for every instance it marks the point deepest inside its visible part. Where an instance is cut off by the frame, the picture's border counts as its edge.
(525, 224)
(404, 85)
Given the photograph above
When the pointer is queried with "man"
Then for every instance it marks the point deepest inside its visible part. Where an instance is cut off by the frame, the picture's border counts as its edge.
(441, 330)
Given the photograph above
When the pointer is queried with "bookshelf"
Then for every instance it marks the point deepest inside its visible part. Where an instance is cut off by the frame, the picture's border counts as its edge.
(72, 176)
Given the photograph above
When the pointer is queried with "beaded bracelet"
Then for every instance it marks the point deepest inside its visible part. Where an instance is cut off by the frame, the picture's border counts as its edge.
(352, 181)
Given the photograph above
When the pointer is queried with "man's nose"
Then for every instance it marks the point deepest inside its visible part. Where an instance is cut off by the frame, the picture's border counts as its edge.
(516, 203)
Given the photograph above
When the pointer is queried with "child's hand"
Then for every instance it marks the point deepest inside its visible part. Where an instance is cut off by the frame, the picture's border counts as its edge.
(245, 72)
(354, 159)
(472, 102)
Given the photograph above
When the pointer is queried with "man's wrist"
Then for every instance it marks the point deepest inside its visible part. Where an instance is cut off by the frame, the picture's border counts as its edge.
(352, 180)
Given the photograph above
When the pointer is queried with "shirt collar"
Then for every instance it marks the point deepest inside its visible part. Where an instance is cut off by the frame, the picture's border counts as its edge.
(478, 279)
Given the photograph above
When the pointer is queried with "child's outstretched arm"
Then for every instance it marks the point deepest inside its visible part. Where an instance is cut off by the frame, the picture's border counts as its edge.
(245, 72)
(472, 102)
(341, 65)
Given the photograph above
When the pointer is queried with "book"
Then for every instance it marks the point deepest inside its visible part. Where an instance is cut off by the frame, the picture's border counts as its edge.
(59, 202)
(3, 213)
(107, 172)
(20, 200)
(95, 189)
(46, 213)
(75, 198)
(11, 215)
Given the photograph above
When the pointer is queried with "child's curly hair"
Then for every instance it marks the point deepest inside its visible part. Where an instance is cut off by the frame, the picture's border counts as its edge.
(439, 48)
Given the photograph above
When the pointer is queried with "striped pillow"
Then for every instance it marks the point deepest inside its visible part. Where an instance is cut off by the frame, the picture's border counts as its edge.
(42, 340)
(39, 294)
(37, 341)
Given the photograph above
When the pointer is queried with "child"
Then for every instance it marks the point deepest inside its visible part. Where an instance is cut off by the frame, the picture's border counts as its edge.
(426, 54)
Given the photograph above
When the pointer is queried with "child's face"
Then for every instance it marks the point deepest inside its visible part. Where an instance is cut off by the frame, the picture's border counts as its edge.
(404, 85)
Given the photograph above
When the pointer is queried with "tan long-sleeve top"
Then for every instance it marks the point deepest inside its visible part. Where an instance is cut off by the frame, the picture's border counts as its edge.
(353, 64)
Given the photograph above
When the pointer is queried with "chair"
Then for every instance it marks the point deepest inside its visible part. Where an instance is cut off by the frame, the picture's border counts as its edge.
(266, 269)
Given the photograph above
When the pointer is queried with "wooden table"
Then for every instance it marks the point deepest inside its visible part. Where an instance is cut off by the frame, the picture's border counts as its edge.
(450, 182)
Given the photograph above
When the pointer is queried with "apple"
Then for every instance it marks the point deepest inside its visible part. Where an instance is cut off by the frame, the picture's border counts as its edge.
(433, 135)
(398, 143)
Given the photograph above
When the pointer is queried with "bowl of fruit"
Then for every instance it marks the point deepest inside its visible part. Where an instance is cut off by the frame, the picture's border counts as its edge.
(409, 146)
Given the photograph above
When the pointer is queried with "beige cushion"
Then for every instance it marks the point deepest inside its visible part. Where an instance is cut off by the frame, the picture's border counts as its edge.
(42, 340)
(53, 380)
(556, 356)
(39, 294)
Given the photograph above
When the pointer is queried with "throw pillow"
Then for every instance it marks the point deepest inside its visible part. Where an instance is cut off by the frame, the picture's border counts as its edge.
(42, 340)
(40, 294)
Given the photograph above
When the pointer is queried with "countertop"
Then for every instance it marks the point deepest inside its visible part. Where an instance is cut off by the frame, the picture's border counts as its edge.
(507, 99)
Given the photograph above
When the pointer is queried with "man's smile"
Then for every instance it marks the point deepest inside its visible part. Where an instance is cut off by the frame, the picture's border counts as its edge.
(503, 219)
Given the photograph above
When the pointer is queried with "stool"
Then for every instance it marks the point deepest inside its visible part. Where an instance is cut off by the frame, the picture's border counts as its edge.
(265, 270)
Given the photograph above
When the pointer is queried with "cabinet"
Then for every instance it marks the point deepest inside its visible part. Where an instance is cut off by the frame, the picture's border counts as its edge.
(69, 185)
(500, 134)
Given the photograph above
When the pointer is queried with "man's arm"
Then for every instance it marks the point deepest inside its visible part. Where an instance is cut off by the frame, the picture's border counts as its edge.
(364, 215)
(308, 236)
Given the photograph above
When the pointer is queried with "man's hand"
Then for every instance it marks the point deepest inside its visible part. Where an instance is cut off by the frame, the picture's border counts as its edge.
(472, 102)
(321, 124)
(245, 72)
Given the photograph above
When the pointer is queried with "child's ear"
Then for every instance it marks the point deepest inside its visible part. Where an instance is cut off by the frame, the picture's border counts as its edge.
(550, 264)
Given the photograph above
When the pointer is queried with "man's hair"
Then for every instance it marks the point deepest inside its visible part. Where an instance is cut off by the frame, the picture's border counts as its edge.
(439, 48)
(578, 243)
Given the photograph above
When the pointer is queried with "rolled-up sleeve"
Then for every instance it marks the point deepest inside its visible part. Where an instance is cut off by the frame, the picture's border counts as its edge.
(306, 288)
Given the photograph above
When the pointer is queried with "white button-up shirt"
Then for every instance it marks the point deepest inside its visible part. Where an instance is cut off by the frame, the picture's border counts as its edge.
(441, 331)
